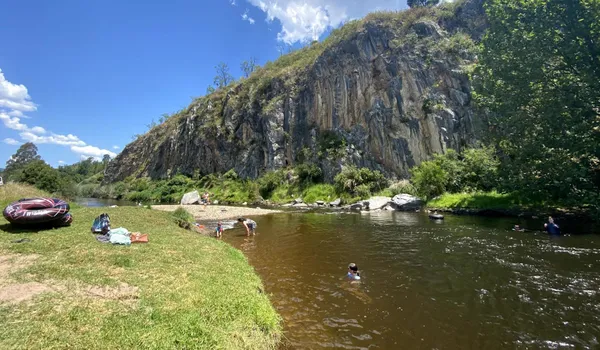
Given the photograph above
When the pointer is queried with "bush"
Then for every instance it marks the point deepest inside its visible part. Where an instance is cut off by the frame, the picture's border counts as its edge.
(324, 192)
(309, 173)
(429, 179)
(351, 178)
(269, 182)
(183, 218)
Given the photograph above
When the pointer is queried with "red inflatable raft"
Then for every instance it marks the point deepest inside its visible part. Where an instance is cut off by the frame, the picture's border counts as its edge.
(38, 211)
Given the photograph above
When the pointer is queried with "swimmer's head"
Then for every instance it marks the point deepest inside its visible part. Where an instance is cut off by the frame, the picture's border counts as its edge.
(240, 219)
(353, 267)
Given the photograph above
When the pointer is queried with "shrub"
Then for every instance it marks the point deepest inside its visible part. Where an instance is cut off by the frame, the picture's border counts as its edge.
(269, 182)
(430, 179)
(351, 178)
(183, 218)
(309, 173)
(324, 192)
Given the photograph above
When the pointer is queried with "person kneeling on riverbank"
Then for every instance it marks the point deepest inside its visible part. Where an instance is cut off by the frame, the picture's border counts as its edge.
(250, 226)
(353, 272)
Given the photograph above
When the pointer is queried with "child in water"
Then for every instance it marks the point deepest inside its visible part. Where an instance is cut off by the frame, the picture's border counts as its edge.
(219, 229)
(250, 226)
(353, 272)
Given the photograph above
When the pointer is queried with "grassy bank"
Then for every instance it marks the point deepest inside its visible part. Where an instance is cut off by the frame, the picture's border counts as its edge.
(181, 290)
(480, 200)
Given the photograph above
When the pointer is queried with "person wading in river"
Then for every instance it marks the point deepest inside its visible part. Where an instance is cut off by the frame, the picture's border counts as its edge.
(250, 226)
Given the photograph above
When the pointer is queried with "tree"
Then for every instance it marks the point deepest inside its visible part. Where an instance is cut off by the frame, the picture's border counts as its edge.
(422, 3)
(105, 160)
(538, 80)
(248, 67)
(26, 154)
(210, 89)
(223, 77)
(41, 175)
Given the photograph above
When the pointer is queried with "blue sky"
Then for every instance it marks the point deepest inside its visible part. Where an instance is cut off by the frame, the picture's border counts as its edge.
(80, 78)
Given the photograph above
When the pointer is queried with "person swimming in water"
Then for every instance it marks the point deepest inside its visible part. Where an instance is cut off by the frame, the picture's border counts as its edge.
(518, 228)
(250, 226)
(353, 272)
(551, 227)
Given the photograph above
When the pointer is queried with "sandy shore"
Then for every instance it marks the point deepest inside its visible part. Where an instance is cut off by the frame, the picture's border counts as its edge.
(217, 212)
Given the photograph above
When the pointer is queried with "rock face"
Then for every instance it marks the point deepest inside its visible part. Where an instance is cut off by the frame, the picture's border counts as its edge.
(406, 202)
(190, 198)
(386, 96)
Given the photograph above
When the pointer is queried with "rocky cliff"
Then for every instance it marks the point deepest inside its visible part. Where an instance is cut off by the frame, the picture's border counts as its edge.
(385, 92)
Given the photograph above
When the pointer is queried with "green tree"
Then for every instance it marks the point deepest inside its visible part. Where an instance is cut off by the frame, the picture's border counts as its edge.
(26, 154)
(422, 3)
(223, 78)
(430, 179)
(41, 175)
(248, 67)
(538, 79)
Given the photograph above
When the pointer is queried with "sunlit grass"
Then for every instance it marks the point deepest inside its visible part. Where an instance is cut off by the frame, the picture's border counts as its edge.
(194, 291)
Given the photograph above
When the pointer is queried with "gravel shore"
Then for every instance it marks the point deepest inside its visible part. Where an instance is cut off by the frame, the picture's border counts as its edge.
(217, 212)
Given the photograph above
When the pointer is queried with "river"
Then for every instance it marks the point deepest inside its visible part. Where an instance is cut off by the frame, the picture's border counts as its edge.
(99, 202)
(466, 282)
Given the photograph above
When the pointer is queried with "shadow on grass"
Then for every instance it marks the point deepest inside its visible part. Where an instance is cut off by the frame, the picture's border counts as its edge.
(17, 229)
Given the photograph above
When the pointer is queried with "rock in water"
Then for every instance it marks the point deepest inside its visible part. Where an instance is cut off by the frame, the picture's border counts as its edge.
(190, 198)
(406, 202)
(319, 203)
(375, 203)
(336, 203)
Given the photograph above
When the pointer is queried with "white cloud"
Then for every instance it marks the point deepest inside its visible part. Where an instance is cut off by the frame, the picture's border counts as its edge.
(10, 141)
(15, 96)
(232, 2)
(116, 147)
(15, 124)
(54, 139)
(92, 151)
(305, 20)
(85, 157)
(61, 162)
(245, 17)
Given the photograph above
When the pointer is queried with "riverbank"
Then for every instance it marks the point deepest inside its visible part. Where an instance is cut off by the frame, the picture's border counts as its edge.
(63, 289)
(501, 204)
(217, 212)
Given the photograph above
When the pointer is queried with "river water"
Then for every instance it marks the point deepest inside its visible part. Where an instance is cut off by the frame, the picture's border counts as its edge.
(466, 282)
(101, 202)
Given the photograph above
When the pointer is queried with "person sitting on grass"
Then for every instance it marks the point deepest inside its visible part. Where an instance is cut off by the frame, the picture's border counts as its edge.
(250, 226)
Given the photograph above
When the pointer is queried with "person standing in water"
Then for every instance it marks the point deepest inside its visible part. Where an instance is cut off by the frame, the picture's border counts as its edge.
(219, 229)
(353, 272)
(250, 226)
(551, 227)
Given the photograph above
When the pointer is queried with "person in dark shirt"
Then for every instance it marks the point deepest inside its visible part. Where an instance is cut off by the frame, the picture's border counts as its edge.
(551, 227)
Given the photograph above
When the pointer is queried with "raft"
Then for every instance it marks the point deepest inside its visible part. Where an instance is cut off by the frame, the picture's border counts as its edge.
(32, 211)
(436, 216)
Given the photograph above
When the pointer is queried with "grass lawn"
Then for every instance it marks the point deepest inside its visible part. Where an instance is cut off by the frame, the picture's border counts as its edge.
(181, 290)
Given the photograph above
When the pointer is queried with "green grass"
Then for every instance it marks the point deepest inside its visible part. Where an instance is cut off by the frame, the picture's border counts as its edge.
(481, 200)
(324, 192)
(194, 291)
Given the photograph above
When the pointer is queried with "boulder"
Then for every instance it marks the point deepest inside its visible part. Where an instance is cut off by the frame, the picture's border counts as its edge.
(375, 203)
(190, 198)
(245, 203)
(298, 201)
(215, 202)
(300, 205)
(356, 206)
(406, 202)
(320, 203)
(427, 28)
(336, 203)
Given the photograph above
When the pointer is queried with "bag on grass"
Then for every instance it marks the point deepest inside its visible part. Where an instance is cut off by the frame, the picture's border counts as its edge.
(137, 237)
(101, 224)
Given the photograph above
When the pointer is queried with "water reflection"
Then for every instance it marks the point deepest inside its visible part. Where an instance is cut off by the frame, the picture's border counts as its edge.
(463, 283)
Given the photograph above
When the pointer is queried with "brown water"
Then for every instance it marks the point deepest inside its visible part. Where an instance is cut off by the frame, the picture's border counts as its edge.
(465, 283)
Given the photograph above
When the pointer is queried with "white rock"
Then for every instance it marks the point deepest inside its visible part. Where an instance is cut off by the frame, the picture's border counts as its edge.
(190, 198)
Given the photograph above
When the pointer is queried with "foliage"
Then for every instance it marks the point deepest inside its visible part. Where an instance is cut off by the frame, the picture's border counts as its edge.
(476, 169)
(316, 192)
(41, 175)
(538, 79)
(477, 200)
(223, 77)
(359, 182)
(309, 173)
(26, 154)
(422, 3)
(269, 182)
(215, 306)
(183, 218)
(248, 67)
